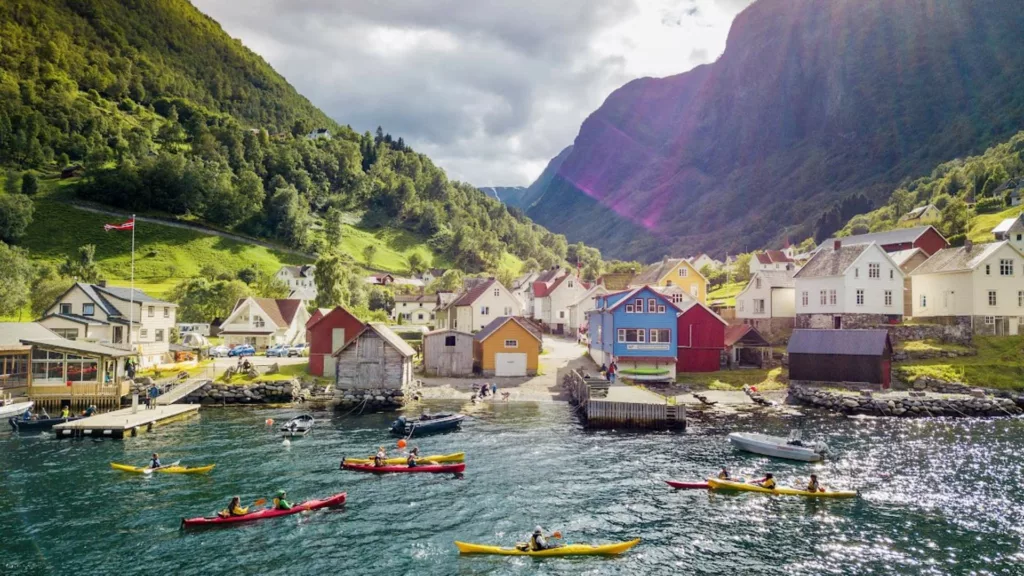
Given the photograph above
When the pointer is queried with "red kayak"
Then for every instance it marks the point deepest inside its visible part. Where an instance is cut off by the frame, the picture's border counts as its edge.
(687, 485)
(336, 500)
(430, 468)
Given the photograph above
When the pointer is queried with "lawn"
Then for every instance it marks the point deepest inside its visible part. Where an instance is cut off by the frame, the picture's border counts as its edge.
(998, 364)
(982, 224)
(727, 292)
(393, 248)
(930, 346)
(764, 380)
(287, 372)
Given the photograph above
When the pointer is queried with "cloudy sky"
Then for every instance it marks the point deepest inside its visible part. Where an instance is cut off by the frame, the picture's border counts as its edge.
(490, 89)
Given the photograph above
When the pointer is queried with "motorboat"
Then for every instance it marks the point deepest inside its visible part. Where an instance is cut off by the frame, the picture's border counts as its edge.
(10, 409)
(791, 448)
(41, 425)
(426, 424)
(298, 426)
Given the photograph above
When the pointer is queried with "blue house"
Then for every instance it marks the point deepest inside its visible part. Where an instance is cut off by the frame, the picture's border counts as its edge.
(636, 328)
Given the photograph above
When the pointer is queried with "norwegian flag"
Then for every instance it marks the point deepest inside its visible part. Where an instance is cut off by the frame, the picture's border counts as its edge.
(129, 225)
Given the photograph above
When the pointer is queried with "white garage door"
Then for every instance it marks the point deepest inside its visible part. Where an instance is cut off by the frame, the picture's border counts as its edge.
(329, 366)
(508, 364)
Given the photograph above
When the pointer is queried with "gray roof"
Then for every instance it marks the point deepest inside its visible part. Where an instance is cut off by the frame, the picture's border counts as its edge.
(11, 333)
(897, 236)
(839, 342)
(777, 278)
(79, 346)
(390, 337)
(88, 320)
(830, 262)
(1005, 225)
(500, 321)
(900, 257)
(126, 294)
(958, 259)
(917, 212)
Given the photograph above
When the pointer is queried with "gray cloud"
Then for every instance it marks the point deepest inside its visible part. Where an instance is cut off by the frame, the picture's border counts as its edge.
(490, 89)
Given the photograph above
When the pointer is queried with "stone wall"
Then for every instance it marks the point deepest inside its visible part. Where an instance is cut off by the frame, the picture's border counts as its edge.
(918, 405)
(374, 398)
(256, 393)
(954, 330)
(850, 321)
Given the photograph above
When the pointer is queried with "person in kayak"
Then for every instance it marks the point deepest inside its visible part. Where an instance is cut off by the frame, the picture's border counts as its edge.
(280, 503)
(380, 459)
(767, 482)
(723, 474)
(413, 459)
(813, 485)
(154, 463)
(233, 509)
(65, 412)
(537, 540)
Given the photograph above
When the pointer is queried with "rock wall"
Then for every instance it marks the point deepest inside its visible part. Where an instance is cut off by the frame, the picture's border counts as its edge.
(372, 399)
(850, 321)
(952, 330)
(918, 405)
(256, 393)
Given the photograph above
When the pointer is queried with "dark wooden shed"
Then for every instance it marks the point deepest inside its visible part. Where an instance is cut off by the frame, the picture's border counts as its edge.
(840, 356)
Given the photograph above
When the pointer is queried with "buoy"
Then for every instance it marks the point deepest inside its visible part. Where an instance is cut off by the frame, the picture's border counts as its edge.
(270, 421)
(401, 443)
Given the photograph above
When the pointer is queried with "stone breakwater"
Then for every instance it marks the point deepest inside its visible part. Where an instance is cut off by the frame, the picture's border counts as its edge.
(916, 405)
(256, 393)
(371, 398)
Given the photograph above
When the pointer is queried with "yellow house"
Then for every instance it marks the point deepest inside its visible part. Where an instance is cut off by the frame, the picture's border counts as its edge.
(674, 272)
(508, 346)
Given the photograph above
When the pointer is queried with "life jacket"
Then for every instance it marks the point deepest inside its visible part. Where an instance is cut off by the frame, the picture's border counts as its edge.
(769, 483)
(537, 542)
(813, 486)
(723, 476)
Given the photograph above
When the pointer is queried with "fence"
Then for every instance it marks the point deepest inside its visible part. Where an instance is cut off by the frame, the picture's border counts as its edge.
(79, 396)
(587, 396)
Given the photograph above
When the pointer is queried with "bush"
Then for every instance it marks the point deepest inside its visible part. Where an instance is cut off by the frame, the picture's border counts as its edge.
(957, 239)
(29, 184)
(986, 205)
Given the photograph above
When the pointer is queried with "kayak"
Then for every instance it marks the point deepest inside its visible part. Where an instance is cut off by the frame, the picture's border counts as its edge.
(567, 550)
(440, 459)
(716, 484)
(432, 468)
(687, 485)
(164, 470)
(336, 500)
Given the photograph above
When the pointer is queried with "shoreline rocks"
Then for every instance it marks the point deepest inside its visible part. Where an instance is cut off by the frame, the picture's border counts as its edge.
(918, 406)
(214, 393)
(370, 398)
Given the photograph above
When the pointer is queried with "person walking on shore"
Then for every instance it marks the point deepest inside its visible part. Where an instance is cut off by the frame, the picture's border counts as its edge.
(613, 369)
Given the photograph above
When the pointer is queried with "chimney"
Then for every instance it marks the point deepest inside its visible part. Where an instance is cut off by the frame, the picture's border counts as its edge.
(102, 284)
(837, 245)
(968, 245)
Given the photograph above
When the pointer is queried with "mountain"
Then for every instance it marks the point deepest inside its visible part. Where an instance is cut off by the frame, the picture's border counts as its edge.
(524, 197)
(508, 195)
(815, 112)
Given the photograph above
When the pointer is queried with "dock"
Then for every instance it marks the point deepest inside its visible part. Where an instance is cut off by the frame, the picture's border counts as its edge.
(126, 422)
(602, 404)
(180, 391)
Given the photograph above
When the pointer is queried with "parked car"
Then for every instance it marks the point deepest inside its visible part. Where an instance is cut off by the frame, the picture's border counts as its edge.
(298, 350)
(242, 350)
(278, 350)
(219, 351)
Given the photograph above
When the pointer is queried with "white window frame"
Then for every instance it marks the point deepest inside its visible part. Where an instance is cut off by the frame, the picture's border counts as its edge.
(514, 343)
(874, 270)
(656, 337)
(924, 301)
(652, 305)
(888, 298)
(1006, 267)
(629, 309)
(638, 305)
(64, 308)
(759, 306)
(805, 298)
(856, 272)
(167, 311)
(683, 272)
(485, 310)
(988, 269)
(158, 335)
(88, 309)
(990, 320)
(143, 333)
(824, 297)
(1020, 298)
(993, 298)
(832, 298)
(497, 292)
(258, 321)
(757, 283)
(860, 297)
(661, 308)
(152, 311)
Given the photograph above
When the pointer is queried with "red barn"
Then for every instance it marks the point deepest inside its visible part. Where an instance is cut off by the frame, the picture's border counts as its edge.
(701, 338)
(328, 331)
(927, 238)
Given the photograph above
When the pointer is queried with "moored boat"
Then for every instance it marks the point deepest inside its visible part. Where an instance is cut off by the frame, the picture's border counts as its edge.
(791, 448)
(426, 424)
(567, 550)
(427, 468)
(717, 484)
(298, 426)
(41, 425)
(173, 469)
(9, 409)
(336, 500)
(437, 459)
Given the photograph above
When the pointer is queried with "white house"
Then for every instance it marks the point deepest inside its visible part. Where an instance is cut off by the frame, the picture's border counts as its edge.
(522, 289)
(853, 286)
(551, 301)
(699, 262)
(264, 322)
(1012, 231)
(923, 215)
(541, 284)
(318, 133)
(477, 306)
(300, 280)
(981, 283)
(768, 303)
(101, 313)
(432, 274)
(771, 260)
(415, 309)
(578, 309)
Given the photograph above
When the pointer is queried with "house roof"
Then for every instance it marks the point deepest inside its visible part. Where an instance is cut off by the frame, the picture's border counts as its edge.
(87, 320)
(634, 291)
(1005, 225)
(686, 307)
(34, 337)
(415, 298)
(301, 271)
(542, 289)
(655, 272)
(959, 259)
(900, 257)
(500, 321)
(830, 262)
(616, 280)
(593, 292)
(386, 334)
(777, 278)
(918, 212)
(548, 275)
(744, 334)
(444, 299)
(839, 342)
(523, 279)
(126, 295)
(897, 236)
(322, 313)
(469, 296)
(446, 331)
(280, 311)
(11, 334)
(773, 257)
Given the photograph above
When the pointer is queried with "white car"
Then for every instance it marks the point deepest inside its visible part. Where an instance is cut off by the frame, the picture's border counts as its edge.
(219, 351)
(298, 350)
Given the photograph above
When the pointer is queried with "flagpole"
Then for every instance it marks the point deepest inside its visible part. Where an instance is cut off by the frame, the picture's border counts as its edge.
(131, 294)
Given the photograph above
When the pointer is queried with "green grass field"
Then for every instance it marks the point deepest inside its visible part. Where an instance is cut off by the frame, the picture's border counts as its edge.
(727, 292)
(733, 380)
(982, 224)
(998, 364)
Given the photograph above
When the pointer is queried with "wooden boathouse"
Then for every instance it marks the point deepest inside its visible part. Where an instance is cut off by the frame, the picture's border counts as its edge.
(448, 352)
(604, 405)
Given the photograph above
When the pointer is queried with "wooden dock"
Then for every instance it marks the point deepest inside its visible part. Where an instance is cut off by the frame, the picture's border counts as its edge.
(126, 422)
(605, 405)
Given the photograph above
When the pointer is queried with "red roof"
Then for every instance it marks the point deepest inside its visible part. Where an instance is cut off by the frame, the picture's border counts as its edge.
(773, 256)
(469, 296)
(737, 332)
(280, 311)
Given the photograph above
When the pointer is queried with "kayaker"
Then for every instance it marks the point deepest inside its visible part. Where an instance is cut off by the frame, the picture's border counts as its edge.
(155, 462)
(234, 509)
(723, 474)
(380, 459)
(280, 503)
(413, 457)
(537, 540)
(813, 485)
(767, 482)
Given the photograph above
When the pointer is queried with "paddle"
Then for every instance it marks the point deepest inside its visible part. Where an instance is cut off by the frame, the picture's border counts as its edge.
(171, 465)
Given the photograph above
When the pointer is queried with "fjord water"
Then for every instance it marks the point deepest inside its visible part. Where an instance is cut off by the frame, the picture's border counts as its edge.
(939, 497)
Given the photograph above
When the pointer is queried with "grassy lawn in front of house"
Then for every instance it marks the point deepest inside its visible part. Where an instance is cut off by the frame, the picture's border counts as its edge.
(999, 363)
(930, 345)
(732, 380)
(727, 293)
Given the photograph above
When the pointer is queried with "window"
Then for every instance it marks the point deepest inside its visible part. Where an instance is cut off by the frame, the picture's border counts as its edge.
(988, 269)
(629, 308)
(569, 283)
(69, 333)
(693, 290)
(832, 297)
(824, 297)
(159, 334)
(652, 306)
(419, 316)
(1006, 267)
(167, 312)
(683, 272)
(661, 308)
(88, 309)
(258, 321)
(892, 274)
(677, 298)
(65, 308)
(990, 320)
(661, 335)
(561, 314)
(1020, 299)
(497, 292)
(143, 333)
(888, 297)
(860, 297)
(631, 335)
(759, 306)
(757, 283)
(485, 310)
(152, 311)
(874, 270)
(856, 272)
(991, 297)
(638, 305)
(924, 300)
(739, 305)
(507, 311)
(804, 299)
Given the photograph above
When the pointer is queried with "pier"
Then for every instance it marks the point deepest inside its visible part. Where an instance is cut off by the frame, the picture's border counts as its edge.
(126, 422)
(602, 404)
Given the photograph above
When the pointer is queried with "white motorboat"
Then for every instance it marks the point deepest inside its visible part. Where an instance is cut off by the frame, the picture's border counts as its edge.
(298, 426)
(15, 409)
(792, 448)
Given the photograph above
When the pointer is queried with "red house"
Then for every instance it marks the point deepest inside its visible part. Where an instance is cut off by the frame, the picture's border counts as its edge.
(927, 238)
(328, 331)
(701, 338)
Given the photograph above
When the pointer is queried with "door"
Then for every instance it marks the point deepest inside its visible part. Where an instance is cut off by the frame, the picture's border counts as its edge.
(886, 373)
(837, 322)
(1014, 326)
(118, 334)
(510, 364)
(329, 366)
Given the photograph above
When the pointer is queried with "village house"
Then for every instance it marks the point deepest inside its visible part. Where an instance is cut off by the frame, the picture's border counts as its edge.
(979, 284)
(1011, 230)
(674, 272)
(636, 329)
(432, 274)
(841, 356)
(380, 279)
(552, 301)
(699, 262)
(477, 306)
(616, 281)
(447, 353)
(543, 280)
(319, 133)
(415, 309)
(927, 238)
(578, 309)
(1015, 197)
(300, 280)
(264, 322)
(745, 347)
(375, 359)
(700, 335)
(508, 346)
(100, 313)
(922, 215)
(522, 289)
(771, 260)
(327, 331)
(908, 261)
(768, 303)
(846, 286)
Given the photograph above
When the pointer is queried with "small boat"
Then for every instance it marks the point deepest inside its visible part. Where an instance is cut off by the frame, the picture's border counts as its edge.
(9, 409)
(336, 500)
(426, 424)
(687, 485)
(717, 484)
(791, 448)
(173, 469)
(567, 550)
(401, 468)
(41, 425)
(298, 426)
(441, 459)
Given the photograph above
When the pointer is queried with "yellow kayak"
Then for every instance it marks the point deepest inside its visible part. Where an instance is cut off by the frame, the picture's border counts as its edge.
(440, 459)
(716, 484)
(164, 470)
(568, 550)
